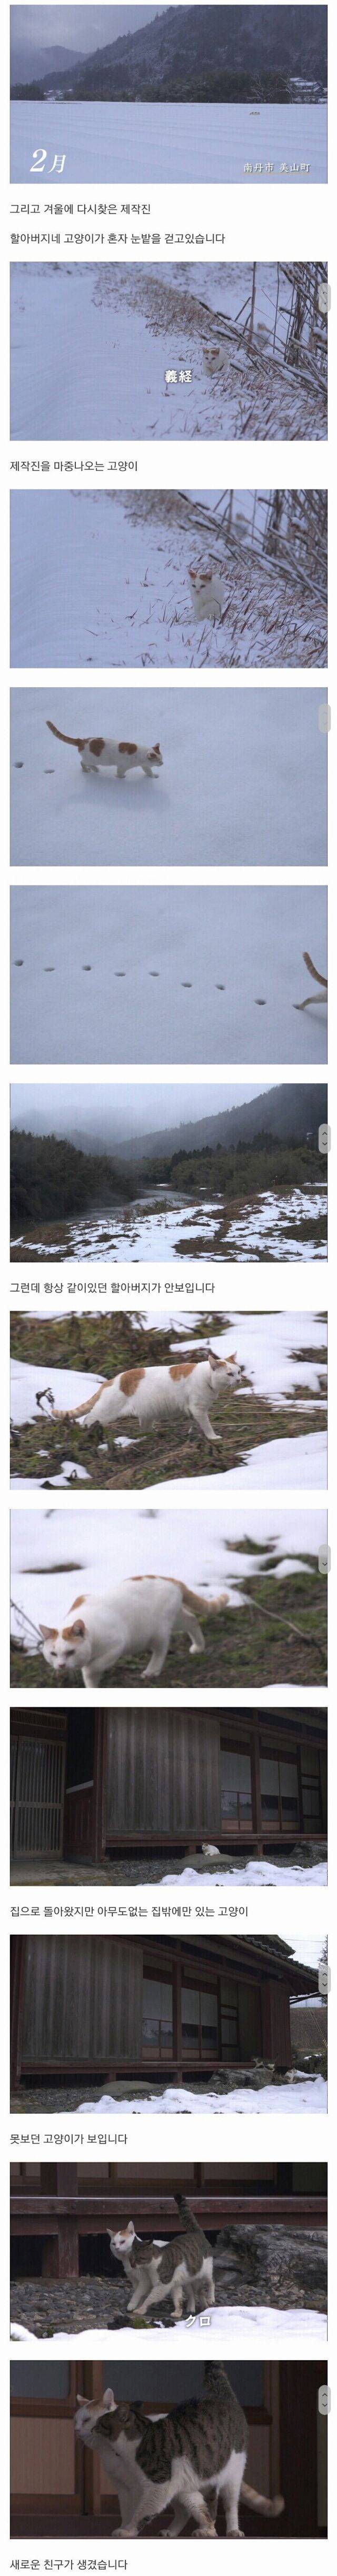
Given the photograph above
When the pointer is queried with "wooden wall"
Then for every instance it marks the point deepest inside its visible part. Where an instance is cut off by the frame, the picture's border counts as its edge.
(162, 1777)
(82, 2001)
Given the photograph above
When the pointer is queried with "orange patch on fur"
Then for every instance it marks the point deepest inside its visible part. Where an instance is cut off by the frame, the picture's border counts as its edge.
(69, 1632)
(183, 1368)
(76, 1605)
(130, 1379)
(97, 745)
(127, 746)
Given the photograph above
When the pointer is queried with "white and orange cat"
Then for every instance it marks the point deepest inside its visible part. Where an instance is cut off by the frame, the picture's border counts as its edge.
(140, 1614)
(207, 591)
(99, 752)
(183, 1387)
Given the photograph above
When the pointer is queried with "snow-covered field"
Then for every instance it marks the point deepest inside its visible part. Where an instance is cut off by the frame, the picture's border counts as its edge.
(243, 782)
(102, 580)
(91, 346)
(151, 1232)
(298, 2093)
(267, 1347)
(49, 1549)
(146, 975)
(141, 144)
(239, 2325)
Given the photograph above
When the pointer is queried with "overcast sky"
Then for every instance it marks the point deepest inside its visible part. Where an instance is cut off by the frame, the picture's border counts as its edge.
(35, 31)
(123, 1109)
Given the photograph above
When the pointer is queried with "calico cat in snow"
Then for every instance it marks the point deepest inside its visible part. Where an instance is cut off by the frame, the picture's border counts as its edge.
(156, 2272)
(143, 1611)
(102, 753)
(186, 2459)
(184, 1387)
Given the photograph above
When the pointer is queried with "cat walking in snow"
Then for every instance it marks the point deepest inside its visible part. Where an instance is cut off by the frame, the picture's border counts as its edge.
(100, 752)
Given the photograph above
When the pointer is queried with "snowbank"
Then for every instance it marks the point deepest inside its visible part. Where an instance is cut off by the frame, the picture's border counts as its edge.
(299, 2093)
(253, 1873)
(239, 2325)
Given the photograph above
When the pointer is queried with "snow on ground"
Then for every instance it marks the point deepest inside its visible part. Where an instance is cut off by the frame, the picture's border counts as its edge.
(150, 1232)
(138, 144)
(265, 1232)
(281, 1464)
(68, 1387)
(97, 582)
(91, 346)
(106, 1546)
(239, 2324)
(243, 781)
(141, 974)
(253, 1873)
(299, 2093)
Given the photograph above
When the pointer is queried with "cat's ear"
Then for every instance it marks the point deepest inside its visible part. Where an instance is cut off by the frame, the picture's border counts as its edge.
(78, 1629)
(230, 1355)
(47, 1632)
(109, 2401)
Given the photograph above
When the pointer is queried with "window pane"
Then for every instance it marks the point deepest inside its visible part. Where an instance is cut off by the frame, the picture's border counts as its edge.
(235, 1780)
(309, 1764)
(190, 2008)
(269, 1787)
(157, 2013)
(289, 1790)
(209, 2025)
(41, 2380)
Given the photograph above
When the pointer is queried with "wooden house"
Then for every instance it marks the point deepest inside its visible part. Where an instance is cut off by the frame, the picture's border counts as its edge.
(99, 2007)
(88, 1783)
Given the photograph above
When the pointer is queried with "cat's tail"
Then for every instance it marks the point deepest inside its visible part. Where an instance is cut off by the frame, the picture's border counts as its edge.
(77, 739)
(270, 2506)
(313, 970)
(73, 1412)
(185, 2212)
(207, 1609)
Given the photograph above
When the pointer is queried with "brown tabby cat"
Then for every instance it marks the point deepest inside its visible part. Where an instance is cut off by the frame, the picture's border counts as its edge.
(197, 2452)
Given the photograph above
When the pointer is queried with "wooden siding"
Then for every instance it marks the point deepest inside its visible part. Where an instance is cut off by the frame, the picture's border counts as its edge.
(37, 1796)
(276, 2041)
(162, 1774)
(82, 2002)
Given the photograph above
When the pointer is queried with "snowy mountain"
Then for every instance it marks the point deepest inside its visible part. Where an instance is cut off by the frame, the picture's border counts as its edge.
(289, 1111)
(202, 53)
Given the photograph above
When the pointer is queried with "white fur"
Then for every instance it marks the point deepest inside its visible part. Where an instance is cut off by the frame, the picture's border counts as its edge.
(140, 2499)
(207, 592)
(113, 758)
(142, 1613)
(160, 1394)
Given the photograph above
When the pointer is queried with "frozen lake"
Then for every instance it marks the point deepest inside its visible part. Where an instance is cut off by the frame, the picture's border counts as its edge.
(243, 781)
(146, 975)
(159, 1226)
(143, 145)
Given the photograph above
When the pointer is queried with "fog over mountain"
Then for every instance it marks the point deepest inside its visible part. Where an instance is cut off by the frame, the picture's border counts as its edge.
(37, 36)
(201, 53)
(121, 1118)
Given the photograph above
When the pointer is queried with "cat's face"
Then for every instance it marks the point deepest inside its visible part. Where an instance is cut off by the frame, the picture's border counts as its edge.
(65, 1647)
(124, 2239)
(230, 1368)
(89, 2414)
